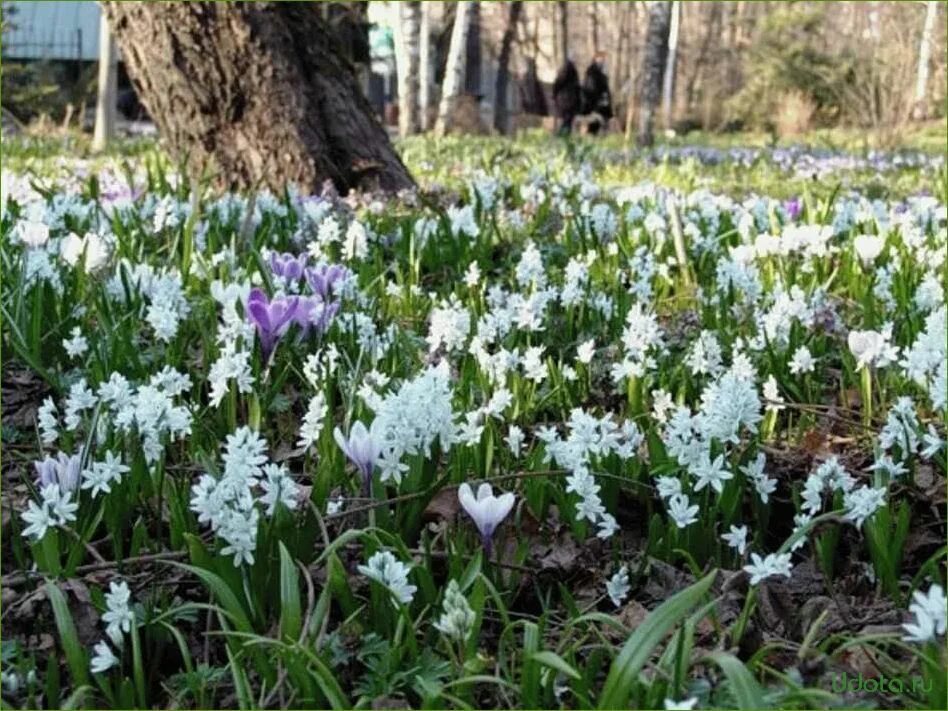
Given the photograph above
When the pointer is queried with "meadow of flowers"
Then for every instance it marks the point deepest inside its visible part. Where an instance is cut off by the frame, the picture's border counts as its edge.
(529, 437)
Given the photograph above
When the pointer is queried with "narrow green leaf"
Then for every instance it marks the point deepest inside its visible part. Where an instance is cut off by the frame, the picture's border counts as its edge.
(744, 687)
(643, 641)
(556, 662)
(75, 656)
(290, 608)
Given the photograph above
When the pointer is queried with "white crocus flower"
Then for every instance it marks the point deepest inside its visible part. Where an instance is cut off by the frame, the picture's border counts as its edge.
(868, 247)
(486, 510)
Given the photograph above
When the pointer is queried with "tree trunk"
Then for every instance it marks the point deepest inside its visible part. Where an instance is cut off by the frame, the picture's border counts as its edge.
(653, 68)
(920, 108)
(668, 84)
(425, 78)
(593, 15)
(501, 114)
(700, 61)
(472, 62)
(562, 18)
(259, 90)
(107, 91)
(454, 69)
(407, 59)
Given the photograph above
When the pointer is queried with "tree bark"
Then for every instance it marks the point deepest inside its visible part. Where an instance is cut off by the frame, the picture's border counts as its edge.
(454, 69)
(407, 59)
(501, 115)
(562, 18)
(593, 15)
(668, 83)
(653, 68)
(472, 62)
(425, 78)
(257, 91)
(106, 108)
(920, 108)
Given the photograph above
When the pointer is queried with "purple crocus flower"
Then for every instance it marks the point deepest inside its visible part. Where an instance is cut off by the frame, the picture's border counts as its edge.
(287, 266)
(313, 312)
(63, 471)
(362, 447)
(272, 319)
(324, 278)
(793, 208)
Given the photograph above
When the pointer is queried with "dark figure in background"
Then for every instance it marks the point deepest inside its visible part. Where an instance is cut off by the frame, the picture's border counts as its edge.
(567, 97)
(596, 96)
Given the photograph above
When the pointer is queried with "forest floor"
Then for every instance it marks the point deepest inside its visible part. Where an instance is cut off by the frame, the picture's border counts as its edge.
(575, 425)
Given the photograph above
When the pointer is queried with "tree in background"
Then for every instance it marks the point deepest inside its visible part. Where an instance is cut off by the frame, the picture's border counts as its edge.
(106, 110)
(920, 108)
(408, 60)
(454, 69)
(259, 91)
(653, 68)
(501, 115)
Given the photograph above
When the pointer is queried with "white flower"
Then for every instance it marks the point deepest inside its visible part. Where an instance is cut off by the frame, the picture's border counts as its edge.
(774, 564)
(861, 503)
(772, 395)
(585, 351)
(386, 570)
(77, 345)
(873, 348)
(711, 472)
(39, 520)
(608, 526)
(868, 247)
(103, 474)
(33, 234)
(681, 512)
(278, 487)
(457, 620)
(802, 361)
(736, 539)
(686, 705)
(618, 586)
(473, 275)
(930, 615)
(91, 249)
(312, 424)
(46, 420)
(103, 659)
(486, 510)
(119, 617)
(514, 439)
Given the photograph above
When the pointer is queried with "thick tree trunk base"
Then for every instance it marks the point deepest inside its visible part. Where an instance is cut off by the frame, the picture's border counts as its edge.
(257, 93)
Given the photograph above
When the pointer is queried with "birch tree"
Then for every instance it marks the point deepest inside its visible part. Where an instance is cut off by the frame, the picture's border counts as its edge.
(668, 84)
(920, 108)
(106, 111)
(407, 63)
(454, 69)
(425, 80)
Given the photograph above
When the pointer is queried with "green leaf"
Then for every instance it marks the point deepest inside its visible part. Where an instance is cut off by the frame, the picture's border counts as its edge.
(640, 645)
(290, 608)
(556, 662)
(744, 687)
(75, 656)
(225, 596)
